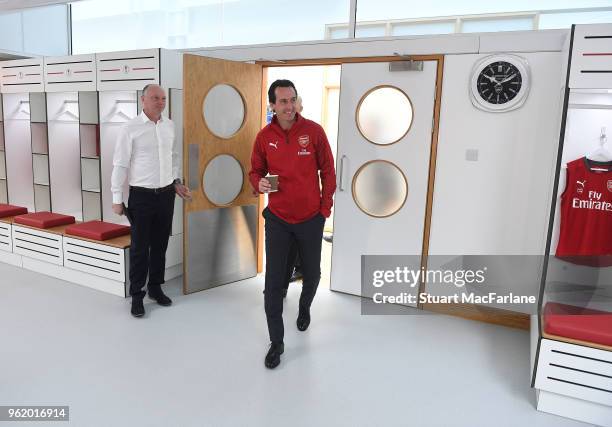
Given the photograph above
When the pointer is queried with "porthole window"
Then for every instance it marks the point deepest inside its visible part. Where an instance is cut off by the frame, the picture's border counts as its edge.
(380, 189)
(384, 115)
(223, 111)
(223, 178)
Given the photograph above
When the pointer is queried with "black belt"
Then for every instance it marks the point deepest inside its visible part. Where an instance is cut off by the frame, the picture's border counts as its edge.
(154, 190)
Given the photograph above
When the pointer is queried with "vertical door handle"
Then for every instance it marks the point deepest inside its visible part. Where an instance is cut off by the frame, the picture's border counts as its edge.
(341, 178)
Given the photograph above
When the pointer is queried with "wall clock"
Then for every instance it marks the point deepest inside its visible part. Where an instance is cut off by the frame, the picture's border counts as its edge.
(500, 83)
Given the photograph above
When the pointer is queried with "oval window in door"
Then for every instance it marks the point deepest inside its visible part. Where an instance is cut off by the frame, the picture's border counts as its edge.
(384, 115)
(223, 179)
(223, 110)
(380, 189)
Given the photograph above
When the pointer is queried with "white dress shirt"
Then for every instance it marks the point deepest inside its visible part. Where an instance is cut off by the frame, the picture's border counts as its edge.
(148, 152)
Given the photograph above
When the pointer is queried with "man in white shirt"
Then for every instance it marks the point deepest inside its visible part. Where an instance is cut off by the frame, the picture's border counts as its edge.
(146, 150)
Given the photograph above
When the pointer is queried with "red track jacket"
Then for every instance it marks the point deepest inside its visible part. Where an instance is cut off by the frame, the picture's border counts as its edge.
(296, 156)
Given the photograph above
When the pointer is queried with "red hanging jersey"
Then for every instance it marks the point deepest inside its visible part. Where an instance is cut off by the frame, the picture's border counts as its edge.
(586, 214)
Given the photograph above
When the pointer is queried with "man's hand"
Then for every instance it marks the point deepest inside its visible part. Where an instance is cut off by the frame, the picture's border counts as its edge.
(182, 191)
(264, 185)
(118, 208)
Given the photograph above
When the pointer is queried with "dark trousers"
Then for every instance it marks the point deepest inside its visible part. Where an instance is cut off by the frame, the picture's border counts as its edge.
(151, 221)
(279, 236)
(293, 262)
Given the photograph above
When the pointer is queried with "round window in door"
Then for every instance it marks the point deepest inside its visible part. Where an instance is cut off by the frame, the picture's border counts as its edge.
(223, 110)
(222, 180)
(384, 115)
(380, 189)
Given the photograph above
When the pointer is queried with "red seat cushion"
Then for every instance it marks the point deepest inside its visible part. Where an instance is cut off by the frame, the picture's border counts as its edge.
(97, 230)
(10, 210)
(579, 323)
(44, 219)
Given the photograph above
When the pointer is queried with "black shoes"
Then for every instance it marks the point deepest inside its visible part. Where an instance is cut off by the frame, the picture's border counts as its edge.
(155, 294)
(274, 354)
(160, 297)
(303, 321)
(137, 308)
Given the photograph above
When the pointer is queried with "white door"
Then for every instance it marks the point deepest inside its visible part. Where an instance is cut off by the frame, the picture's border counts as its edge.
(384, 146)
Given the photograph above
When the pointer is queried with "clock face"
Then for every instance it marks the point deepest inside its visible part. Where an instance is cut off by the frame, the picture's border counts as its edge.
(499, 82)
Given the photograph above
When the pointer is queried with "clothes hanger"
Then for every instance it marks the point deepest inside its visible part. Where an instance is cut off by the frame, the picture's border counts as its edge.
(65, 111)
(601, 153)
(116, 111)
(21, 109)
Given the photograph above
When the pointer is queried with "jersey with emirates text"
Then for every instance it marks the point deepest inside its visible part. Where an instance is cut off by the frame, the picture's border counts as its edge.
(298, 156)
(586, 214)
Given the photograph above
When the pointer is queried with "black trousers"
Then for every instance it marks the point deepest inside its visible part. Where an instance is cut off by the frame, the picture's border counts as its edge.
(279, 236)
(293, 262)
(151, 221)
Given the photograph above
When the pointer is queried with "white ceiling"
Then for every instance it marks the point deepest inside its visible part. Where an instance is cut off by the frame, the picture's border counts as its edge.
(8, 5)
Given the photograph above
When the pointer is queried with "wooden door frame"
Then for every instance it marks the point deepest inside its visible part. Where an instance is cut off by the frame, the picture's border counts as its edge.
(468, 311)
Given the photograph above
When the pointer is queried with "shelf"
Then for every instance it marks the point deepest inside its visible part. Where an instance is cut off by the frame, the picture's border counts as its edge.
(91, 190)
(42, 198)
(40, 143)
(38, 107)
(90, 175)
(3, 191)
(2, 166)
(90, 158)
(88, 108)
(40, 166)
(42, 184)
(90, 141)
(92, 205)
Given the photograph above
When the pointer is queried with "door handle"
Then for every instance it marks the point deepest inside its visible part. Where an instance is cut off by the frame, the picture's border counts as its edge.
(341, 178)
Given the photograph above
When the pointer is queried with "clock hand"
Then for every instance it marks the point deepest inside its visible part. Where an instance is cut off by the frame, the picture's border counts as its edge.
(491, 78)
(508, 78)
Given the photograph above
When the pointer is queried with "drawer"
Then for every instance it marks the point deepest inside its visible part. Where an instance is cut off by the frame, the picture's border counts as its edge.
(127, 70)
(70, 73)
(95, 258)
(576, 371)
(38, 244)
(6, 240)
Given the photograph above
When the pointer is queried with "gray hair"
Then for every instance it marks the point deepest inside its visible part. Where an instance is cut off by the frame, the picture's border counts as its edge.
(146, 88)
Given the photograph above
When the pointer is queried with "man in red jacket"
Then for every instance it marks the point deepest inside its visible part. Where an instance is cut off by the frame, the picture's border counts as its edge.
(297, 150)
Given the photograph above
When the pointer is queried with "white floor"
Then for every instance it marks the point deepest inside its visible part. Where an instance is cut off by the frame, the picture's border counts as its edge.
(200, 362)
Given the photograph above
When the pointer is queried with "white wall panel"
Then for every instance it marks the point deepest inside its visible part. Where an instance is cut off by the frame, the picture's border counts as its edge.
(18, 150)
(592, 57)
(499, 204)
(110, 124)
(21, 75)
(127, 70)
(64, 153)
(70, 73)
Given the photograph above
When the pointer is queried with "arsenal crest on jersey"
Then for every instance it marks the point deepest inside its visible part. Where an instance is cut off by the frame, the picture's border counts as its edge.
(610, 185)
(304, 140)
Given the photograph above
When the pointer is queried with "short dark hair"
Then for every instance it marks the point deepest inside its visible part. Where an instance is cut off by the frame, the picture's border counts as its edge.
(279, 83)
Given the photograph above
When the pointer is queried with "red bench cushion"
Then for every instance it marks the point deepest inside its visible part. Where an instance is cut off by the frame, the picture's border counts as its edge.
(97, 230)
(10, 210)
(579, 323)
(44, 219)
